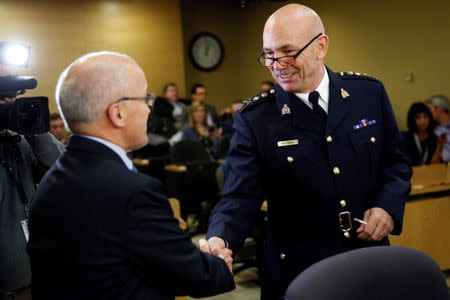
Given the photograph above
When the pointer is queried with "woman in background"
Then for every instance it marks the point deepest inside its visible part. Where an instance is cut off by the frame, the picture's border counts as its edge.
(198, 129)
(421, 145)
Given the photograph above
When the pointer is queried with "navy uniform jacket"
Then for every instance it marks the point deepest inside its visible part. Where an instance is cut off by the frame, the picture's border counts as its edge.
(101, 231)
(304, 171)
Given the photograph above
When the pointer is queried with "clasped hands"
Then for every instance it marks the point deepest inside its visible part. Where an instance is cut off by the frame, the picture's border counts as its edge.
(216, 246)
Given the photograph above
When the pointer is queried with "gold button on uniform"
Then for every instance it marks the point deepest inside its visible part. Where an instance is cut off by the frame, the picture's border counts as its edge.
(329, 139)
(373, 140)
(290, 159)
(336, 171)
(282, 256)
(343, 203)
(346, 234)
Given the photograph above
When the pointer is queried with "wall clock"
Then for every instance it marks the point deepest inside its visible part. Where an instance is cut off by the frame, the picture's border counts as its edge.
(205, 51)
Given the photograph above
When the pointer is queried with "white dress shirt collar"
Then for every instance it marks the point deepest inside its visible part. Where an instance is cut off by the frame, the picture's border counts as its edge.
(323, 89)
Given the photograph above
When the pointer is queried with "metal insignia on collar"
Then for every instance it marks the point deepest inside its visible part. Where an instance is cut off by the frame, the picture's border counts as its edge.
(286, 110)
(344, 93)
(272, 91)
(264, 94)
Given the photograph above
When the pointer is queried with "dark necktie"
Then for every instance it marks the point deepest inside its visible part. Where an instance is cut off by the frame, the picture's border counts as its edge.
(314, 99)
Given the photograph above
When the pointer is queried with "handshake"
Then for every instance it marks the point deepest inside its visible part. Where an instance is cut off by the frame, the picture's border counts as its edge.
(216, 246)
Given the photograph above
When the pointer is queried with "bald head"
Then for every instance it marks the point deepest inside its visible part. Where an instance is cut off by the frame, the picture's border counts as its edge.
(91, 83)
(293, 22)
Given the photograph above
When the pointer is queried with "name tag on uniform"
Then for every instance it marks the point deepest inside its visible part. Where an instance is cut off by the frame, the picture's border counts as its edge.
(287, 143)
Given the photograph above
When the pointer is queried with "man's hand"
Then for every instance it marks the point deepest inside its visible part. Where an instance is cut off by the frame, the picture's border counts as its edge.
(216, 246)
(379, 225)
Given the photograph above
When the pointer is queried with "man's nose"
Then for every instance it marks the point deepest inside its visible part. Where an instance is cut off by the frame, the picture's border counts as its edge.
(277, 66)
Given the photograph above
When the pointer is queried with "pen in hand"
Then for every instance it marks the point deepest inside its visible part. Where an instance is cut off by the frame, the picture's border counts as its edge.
(360, 221)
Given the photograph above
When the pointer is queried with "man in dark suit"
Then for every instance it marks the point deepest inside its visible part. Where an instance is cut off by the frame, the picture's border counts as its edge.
(98, 229)
(322, 148)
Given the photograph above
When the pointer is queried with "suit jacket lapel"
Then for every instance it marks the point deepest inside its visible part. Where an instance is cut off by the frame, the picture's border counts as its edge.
(338, 105)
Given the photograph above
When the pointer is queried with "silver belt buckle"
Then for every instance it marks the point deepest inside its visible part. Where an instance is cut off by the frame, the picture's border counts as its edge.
(345, 222)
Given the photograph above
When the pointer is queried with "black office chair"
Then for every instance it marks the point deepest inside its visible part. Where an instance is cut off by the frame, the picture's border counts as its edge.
(373, 273)
(191, 178)
(188, 151)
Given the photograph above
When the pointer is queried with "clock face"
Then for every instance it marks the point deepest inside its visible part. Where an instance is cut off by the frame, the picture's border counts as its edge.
(206, 51)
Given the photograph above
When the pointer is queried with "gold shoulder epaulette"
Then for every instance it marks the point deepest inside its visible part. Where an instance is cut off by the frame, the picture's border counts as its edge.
(356, 75)
(258, 98)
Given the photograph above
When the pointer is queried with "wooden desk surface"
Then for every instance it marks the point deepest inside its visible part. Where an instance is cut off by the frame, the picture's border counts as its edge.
(420, 189)
(426, 227)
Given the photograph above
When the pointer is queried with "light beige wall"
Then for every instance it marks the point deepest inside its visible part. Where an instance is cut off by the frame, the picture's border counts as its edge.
(220, 18)
(387, 39)
(60, 31)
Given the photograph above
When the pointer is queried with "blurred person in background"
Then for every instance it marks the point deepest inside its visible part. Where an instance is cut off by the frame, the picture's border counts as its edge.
(198, 129)
(266, 86)
(179, 112)
(421, 145)
(439, 106)
(199, 94)
(57, 127)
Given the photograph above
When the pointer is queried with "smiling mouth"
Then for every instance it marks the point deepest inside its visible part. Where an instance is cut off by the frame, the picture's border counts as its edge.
(286, 76)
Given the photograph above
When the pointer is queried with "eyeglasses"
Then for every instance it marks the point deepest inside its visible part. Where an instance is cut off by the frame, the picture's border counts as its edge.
(148, 99)
(286, 60)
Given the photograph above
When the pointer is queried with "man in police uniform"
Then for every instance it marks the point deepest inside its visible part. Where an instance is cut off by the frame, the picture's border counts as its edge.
(322, 148)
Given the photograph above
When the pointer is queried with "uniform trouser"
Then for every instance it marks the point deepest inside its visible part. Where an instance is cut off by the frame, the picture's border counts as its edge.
(22, 294)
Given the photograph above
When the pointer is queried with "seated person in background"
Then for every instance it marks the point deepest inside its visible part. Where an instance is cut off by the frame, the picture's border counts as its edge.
(421, 144)
(226, 119)
(439, 106)
(161, 123)
(198, 129)
(57, 127)
(99, 229)
(199, 94)
(266, 85)
(179, 111)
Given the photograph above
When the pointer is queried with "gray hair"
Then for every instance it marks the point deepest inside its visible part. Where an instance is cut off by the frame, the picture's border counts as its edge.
(85, 88)
(438, 101)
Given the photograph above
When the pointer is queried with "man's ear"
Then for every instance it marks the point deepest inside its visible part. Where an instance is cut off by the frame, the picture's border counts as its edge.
(322, 46)
(116, 115)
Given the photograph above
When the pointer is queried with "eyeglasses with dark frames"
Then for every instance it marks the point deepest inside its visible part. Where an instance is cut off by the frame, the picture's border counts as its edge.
(149, 99)
(286, 60)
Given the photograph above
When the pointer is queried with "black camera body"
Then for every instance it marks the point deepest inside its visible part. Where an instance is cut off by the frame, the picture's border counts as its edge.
(26, 115)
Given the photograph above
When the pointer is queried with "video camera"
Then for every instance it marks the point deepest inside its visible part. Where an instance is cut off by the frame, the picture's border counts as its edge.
(26, 115)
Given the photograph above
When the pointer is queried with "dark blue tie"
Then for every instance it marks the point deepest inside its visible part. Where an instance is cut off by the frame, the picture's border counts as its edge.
(314, 99)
